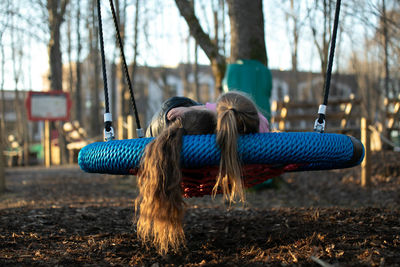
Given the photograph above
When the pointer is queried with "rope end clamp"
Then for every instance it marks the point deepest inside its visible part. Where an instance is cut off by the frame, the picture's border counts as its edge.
(108, 129)
(319, 125)
(140, 133)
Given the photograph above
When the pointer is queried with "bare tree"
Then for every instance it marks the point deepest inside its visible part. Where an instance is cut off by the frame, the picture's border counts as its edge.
(17, 54)
(3, 101)
(135, 41)
(385, 44)
(247, 35)
(2, 110)
(294, 25)
(379, 61)
(56, 11)
(218, 61)
(2, 64)
(2, 170)
(78, 74)
(94, 62)
(140, 94)
(247, 31)
(294, 17)
(123, 104)
(196, 72)
(387, 31)
(69, 53)
(321, 32)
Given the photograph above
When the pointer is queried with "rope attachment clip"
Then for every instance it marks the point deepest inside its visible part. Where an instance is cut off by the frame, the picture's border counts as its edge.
(319, 125)
(108, 129)
(140, 133)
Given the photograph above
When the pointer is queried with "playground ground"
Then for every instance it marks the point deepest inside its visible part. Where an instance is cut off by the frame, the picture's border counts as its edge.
(64, 217)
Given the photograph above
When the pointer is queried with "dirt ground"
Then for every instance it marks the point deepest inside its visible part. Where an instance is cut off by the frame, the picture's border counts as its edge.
(64, 217)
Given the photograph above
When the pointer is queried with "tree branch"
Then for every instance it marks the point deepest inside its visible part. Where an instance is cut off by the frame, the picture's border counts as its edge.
(187, 11)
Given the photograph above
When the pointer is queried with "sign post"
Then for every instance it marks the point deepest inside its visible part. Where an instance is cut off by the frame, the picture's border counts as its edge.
(48, 107)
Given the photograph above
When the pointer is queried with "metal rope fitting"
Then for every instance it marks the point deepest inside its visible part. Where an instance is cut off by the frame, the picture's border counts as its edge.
(109, 135)
(319, 125)
(139, 133)
(108, 129)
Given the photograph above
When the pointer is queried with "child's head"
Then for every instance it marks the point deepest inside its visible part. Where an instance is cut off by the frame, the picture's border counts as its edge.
(160, 206)
(236, 114)
(198, 121)
(238, 106)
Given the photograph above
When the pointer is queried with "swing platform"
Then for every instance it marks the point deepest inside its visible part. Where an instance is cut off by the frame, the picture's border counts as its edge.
(308, 151)
(264, 155)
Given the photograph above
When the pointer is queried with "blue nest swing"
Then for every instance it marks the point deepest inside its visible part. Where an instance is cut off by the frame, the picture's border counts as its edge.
(264, 155)
(309, 151)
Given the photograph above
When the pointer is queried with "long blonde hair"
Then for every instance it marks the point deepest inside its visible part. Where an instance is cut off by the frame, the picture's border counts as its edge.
(236, 114)
(159, 206)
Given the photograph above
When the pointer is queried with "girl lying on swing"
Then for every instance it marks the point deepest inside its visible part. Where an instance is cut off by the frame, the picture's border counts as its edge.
(159, 205)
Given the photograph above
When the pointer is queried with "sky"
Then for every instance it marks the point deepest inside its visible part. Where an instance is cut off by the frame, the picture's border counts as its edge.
(165, 43)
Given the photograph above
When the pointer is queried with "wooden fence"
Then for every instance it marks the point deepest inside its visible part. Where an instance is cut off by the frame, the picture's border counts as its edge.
(342, 116)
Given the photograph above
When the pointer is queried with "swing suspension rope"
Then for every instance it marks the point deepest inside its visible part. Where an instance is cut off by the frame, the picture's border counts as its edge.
(108, 131)
(264, 155)
(319, 125)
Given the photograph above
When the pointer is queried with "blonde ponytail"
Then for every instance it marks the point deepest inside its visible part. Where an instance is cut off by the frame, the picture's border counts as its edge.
(229, 177)
(236, 114)
(159, 206)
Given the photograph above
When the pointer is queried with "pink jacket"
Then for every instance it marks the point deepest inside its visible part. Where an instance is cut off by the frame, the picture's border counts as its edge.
(264, 125)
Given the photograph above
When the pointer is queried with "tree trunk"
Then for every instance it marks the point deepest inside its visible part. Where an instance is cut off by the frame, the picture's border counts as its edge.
(322, 41)
(2, 124)
(3, 101)
(123, 103)
(386, 64)
(196, 73)
(294, 42)
(135, 42)
(94, 115)
(56, 11)
(247, 30)
(113, 88)
(2, 116)
(2, 169)
(70, 67)
(218, 62)
(78, 95)
(17, 71)
(184, 73)
(140, 97)
(295, 34)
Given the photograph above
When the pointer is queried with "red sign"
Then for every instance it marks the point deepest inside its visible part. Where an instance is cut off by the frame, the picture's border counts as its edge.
(52, 106)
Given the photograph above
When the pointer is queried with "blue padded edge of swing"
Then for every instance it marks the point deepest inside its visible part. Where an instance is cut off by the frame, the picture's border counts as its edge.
(311, 150)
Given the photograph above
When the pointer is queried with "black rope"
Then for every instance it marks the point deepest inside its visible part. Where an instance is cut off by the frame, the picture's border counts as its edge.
(125, 65)
(327, 84)
(108, 124)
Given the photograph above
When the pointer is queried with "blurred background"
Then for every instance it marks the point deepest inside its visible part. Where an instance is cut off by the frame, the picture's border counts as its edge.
(185, 47)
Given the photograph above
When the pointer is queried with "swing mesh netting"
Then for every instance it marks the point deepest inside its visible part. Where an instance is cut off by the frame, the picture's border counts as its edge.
(265, 155)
